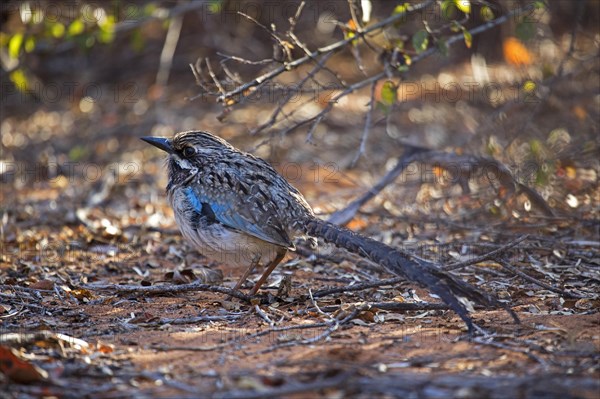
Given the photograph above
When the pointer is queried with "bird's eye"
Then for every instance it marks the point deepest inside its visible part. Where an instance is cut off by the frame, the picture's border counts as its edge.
(189, 152)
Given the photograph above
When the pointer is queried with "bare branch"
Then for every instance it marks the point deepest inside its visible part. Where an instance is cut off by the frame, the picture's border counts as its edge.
(535, 281)
(330, 48)
(367, 128)
(490, 255)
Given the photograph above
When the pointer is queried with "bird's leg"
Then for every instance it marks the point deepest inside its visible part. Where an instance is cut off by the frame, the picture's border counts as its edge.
(270, 267)
(244, 277)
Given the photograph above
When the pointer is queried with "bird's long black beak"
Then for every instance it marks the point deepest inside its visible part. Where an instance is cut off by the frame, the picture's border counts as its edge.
(159, 142)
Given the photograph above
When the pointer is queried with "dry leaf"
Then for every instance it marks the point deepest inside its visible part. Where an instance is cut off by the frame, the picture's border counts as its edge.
(19, 370)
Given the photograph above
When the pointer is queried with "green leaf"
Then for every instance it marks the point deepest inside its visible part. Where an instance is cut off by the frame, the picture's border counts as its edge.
(57, 29)
(215, 6)
(107, 30)
(150, 8)
(463, 5)
(90, 41)
(29, 44)
(487, 14)
(19, 79)
(137, 40)
(402, 8)
(525, 30)
(420, 41)
(537, 148)
(443, 47)
(78, 153)
(542, 177)
(349, 35)
(448, 9)
(76, 28)
(468, 38)
(529, 86)
(389, 93)
(14, 45)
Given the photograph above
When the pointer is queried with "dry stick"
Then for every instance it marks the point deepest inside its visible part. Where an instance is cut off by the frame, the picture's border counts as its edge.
(263, 315)
(25, 289)
(167, 289)
(343, 216)
(291, 94)
(468, 164)
(197, 72)
(239, 339)
(293, 22)
(166, 55)
(21, 339)
(526, 352)
(357, 287)
(535, 281)
(330, 329)
(338, 45)
(367, 128)
(290, 33)
(490, 255)
(284, 46)
(421, 306)
(488, 166)
(187, 320)
(213, 76)
(330, 48)
(228, 57)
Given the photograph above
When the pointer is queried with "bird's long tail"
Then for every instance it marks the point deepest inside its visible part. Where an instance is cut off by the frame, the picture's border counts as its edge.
(446, 286)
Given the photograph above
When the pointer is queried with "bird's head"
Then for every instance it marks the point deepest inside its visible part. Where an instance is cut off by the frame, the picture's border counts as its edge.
(189, 150)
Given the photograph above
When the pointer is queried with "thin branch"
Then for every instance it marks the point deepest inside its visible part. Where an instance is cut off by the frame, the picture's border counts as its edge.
(490, 255)
(263, 315)
(166, 55)
(358, 287)
(330, 48)
(367, 128)
(535, 281)
(214, 77)
(273, 119)
(282, 43)
(227, 57)
(344, 216)
(167, 289)
(331, 327)
(356, 86)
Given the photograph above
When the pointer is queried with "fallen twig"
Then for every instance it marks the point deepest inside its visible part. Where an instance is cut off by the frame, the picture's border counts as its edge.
(358, 287)
(535, 281)
(343, 216)
(167, 289)
(490, 255)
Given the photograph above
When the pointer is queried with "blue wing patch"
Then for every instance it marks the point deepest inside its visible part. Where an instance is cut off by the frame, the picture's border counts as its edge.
(222, 213)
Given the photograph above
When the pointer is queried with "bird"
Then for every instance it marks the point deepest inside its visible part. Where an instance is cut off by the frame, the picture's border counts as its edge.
(237, 209)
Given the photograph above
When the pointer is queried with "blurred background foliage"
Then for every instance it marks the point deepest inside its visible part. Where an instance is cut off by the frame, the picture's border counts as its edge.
(81, 81)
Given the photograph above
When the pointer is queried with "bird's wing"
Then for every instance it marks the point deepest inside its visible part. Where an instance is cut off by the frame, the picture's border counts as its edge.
(245, 217)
